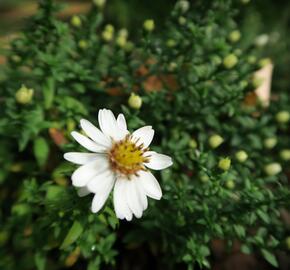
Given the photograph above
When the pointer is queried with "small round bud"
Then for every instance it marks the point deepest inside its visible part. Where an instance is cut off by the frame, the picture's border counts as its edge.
(110, 28)
(285, 154)
(283, 117)
(288, 242)
(182, 20)
(235, 36)
(123, 33)
(149, 25)
(204, 178)
(270, 143)
(241, 156)
(230, 61)
(182, 6)
(192, 143)
(215, 141)
(252, 59)
(76, 21)
(272, 169)
(243, 84)
(216, 60)
(225, 164)
(99, 3)
(107, 36)
(261, 40)
(83, 44)
(264, 62)
(245, 1)
(135, 101)
(170, 43)
(121, 41)
(230, 184)
(24, 95)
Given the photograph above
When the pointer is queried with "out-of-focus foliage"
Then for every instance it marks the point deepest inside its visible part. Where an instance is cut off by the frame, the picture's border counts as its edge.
(195, 77)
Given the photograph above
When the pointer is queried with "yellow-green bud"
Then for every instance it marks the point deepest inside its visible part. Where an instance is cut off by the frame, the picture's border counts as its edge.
(288, 242)
(230, 61)
(24, 95)
(204, 178)
(215, 141)
(121, 41)
(83, 44)
(135, 101)
(182, 20)
(99, 3)
(241, 156)
(283, 117)
(149, 25)
(270, 143)
(225, 164)
(109, 28)
(264, 62)
(107, 35)
(230, 184)
(183, 6)
(123, 33)
(261, 40)
(272, 169)
(170, 43)
(76, 21)
(235, 36)
(245, 1)
(252, 59)
(285, 154)
(192, 143)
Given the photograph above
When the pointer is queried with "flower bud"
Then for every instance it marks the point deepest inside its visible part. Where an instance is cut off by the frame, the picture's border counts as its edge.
(225, 164)
(285, 154)
(270, 143)
(76, 21)
(83, 44)
(192, 143)
(204, 178)
(261, 40)
(230, 184)
(230, 61)
(121, 41)
(215, 141)
(182, 5)
(252, 59)
(135, 101)
(182, 20)
(272, 169)
(99, 3)
(123, 33)
(24, 95)
(245, 1)
(170, 43)
(108, 33)
(235, 36)
(283, 117)
(149, 25)
(241, 156)
(172, 66)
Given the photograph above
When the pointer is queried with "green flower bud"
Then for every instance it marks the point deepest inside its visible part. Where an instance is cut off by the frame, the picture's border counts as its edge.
(182, 5)
(235, 36)
(261, 40)
(110, 28)
(283, 117)
(252, 59)
(270, 143)
(76, 21)
(149, 25)
(230, 61)
(285, 154)
(24, 95)
(107, 35)
(123, 33)
(225, 164)
(192, 143)
(245, 1)
(99, 3)
(121, 41)
(272, 169)
(241, 156)
(230, 184)
(182, 20)
(135, 101)
(215, 141)
(288, 242)
(204, 178)
(170, 43)
(264, 62)
(83, 44)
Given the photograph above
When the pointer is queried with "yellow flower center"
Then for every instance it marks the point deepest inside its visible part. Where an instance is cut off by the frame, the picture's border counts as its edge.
(127, 158)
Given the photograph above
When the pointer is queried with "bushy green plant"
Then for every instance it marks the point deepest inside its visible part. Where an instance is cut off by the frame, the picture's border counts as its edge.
(190, 81)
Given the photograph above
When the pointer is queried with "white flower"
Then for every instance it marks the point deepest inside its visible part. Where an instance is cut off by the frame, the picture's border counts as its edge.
(119, 161)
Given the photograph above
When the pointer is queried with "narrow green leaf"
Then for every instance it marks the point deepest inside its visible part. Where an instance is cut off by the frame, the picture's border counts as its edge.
(41, 151)
(270, 257)
(72, 235)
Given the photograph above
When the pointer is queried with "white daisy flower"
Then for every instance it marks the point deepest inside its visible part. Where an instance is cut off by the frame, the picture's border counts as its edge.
(119, 161)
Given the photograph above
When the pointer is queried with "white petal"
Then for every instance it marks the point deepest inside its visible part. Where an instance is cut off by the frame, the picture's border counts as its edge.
(150, 185)
(100, 198)
(108, 123)
(121, 122)
(80, 158)
(87, 143)
(142, 195)
(133, 199)
(158, 161)
(100, 182)
(143, 135)
(83, 191)
(120, 204)
(95, 134)
(85, 173)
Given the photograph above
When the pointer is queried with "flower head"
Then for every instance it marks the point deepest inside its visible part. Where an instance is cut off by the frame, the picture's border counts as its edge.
(119, 161)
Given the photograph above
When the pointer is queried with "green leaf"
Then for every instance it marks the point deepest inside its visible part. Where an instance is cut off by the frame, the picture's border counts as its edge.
(40, 261)
(72, 235)
(48, 93)
(270, 257)
(41, 151)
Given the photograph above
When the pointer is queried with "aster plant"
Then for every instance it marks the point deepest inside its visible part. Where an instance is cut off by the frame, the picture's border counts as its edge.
(189, 81)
